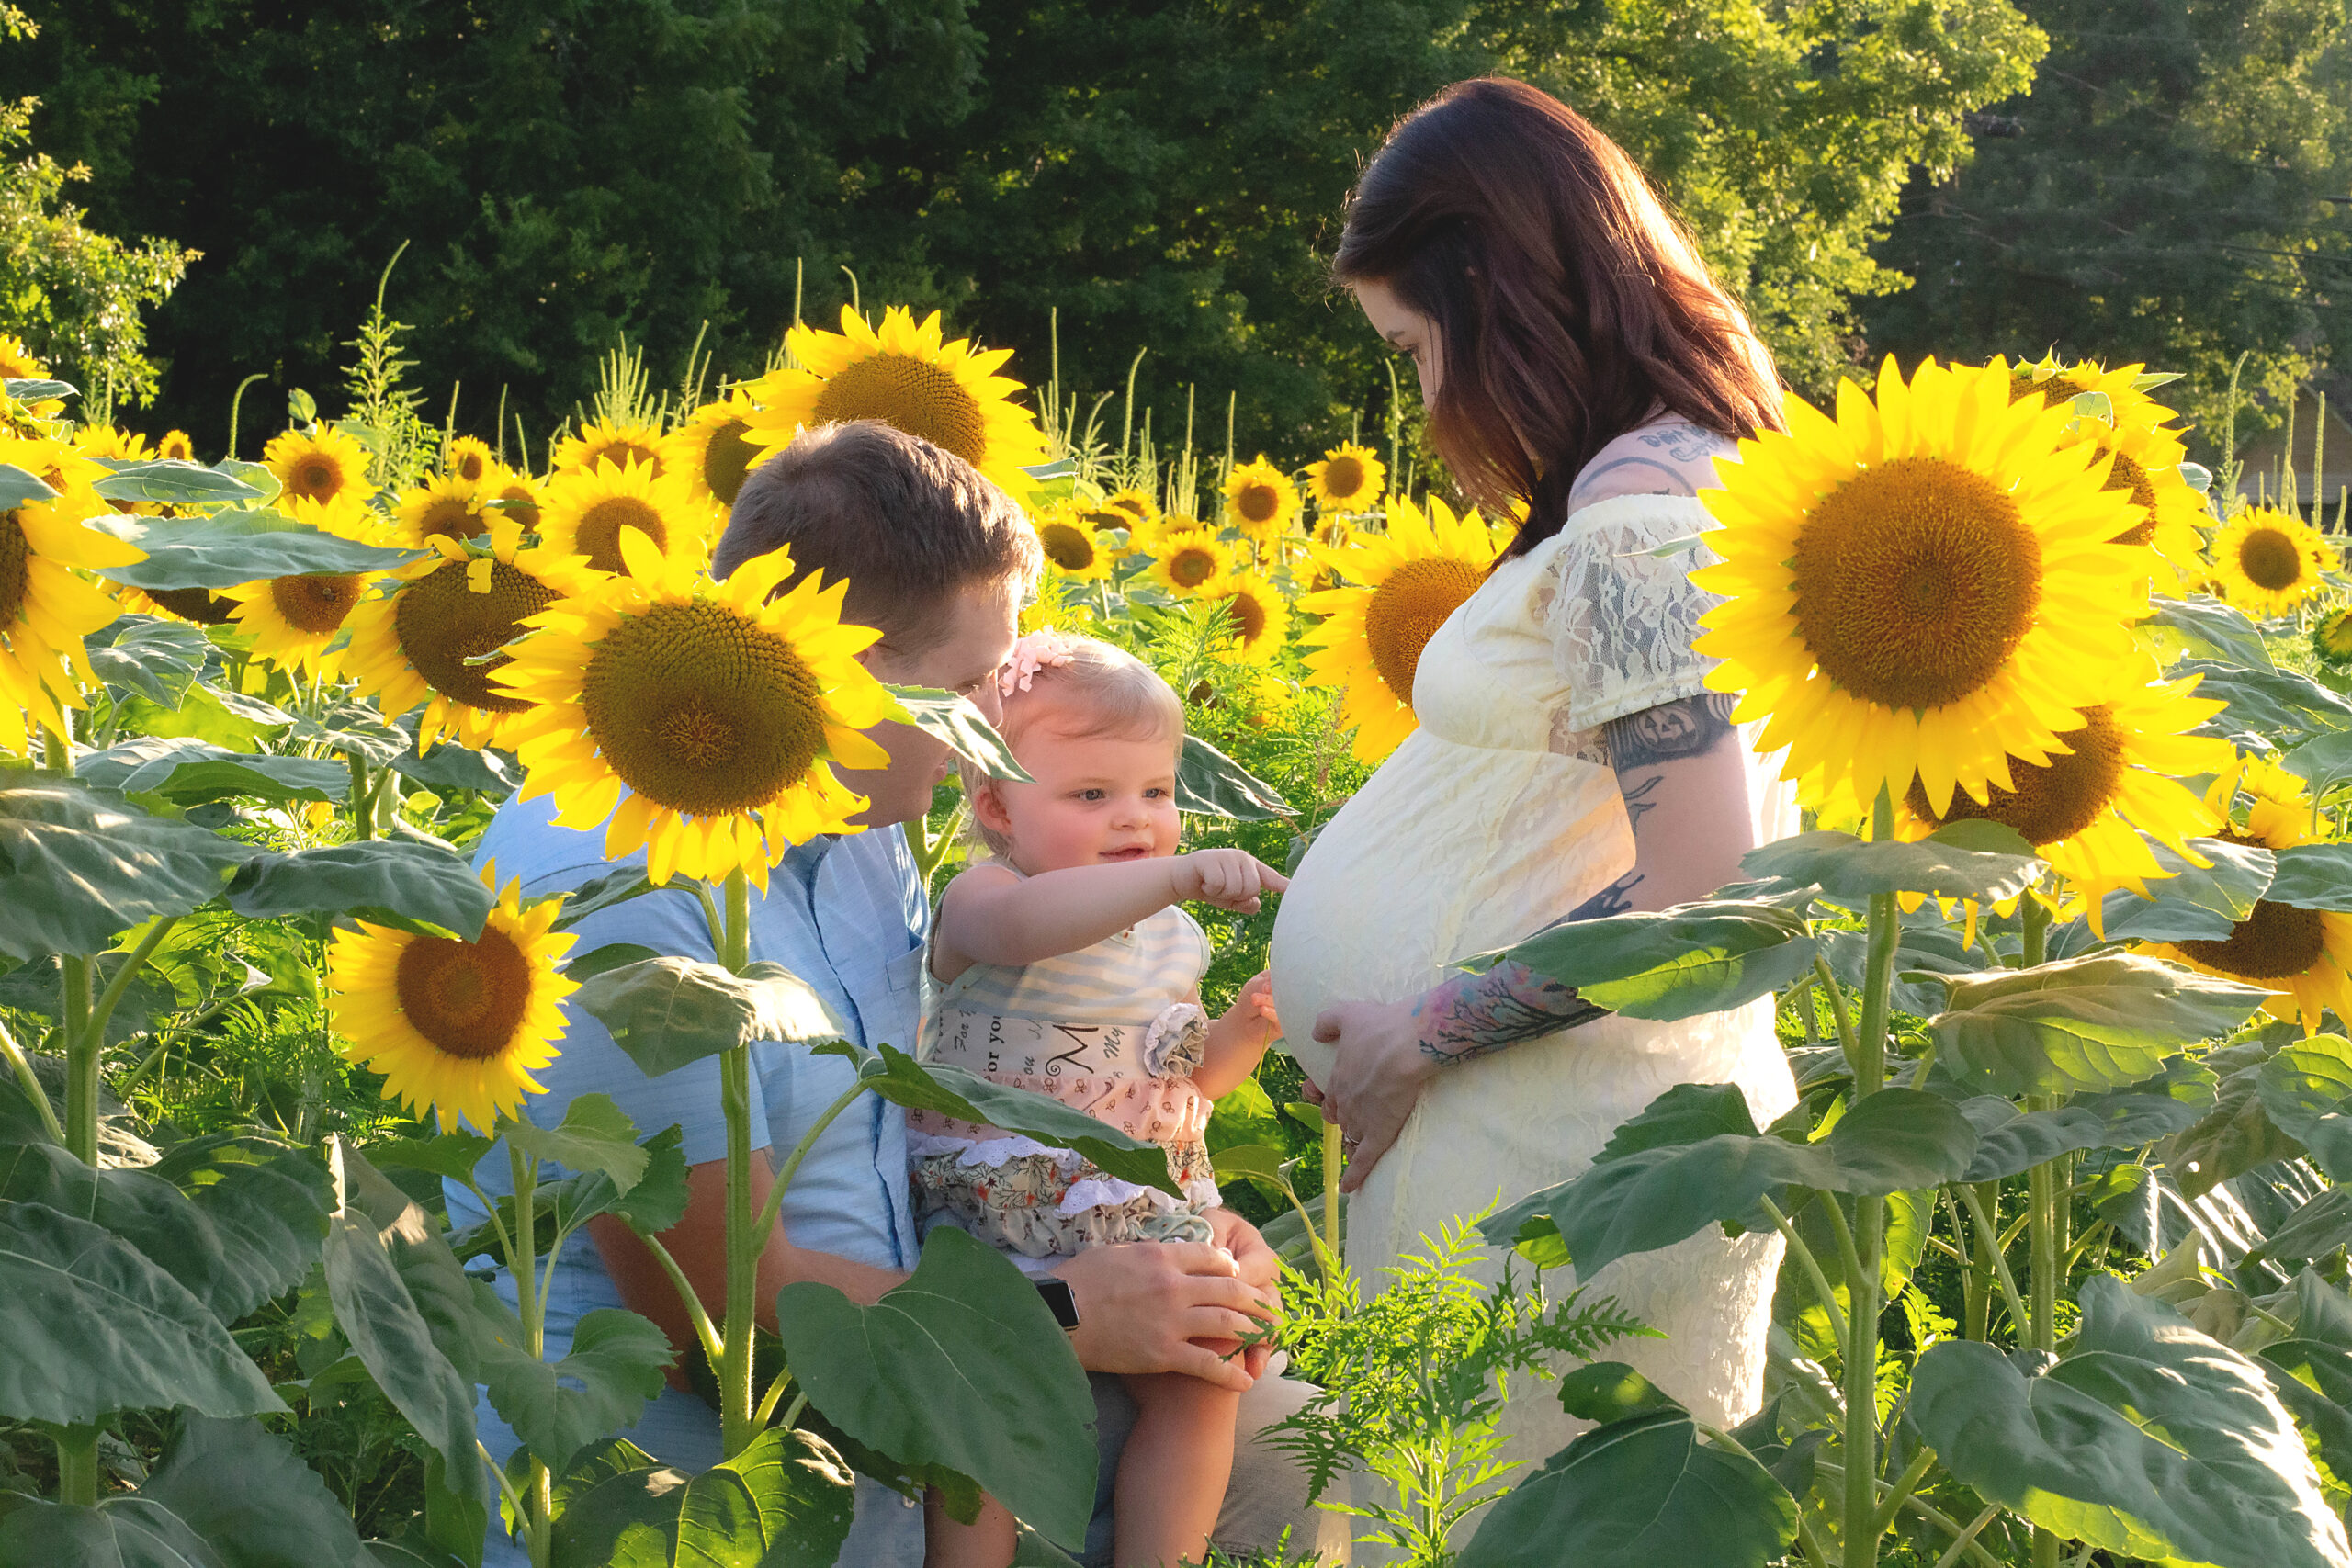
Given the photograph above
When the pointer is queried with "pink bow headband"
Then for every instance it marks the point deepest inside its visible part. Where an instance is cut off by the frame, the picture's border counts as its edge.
(1043, 648)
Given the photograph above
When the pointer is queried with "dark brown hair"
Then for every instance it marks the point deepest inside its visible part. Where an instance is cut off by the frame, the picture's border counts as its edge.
(911, 526)
(1569, 304)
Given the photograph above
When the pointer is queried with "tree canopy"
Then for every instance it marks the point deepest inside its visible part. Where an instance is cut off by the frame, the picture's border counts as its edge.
(1166, 174)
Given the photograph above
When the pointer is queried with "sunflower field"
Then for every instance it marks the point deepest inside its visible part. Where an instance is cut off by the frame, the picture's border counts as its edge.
(2062, 962)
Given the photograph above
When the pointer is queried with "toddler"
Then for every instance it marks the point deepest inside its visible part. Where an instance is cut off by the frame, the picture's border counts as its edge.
(1064, 965)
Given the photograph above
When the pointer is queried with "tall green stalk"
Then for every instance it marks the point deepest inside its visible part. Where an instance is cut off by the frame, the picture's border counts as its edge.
(2043, 1221)
(538, 1498)
(1870, 1230)
(744, 1236)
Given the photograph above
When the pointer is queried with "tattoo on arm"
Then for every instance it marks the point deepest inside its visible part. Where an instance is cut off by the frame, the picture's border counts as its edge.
(1658, 478)
(1473, 1014)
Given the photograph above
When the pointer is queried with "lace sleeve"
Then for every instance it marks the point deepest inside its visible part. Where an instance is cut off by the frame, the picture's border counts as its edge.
(1622, 617)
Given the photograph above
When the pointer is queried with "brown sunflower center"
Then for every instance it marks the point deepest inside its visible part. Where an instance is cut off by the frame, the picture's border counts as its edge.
(449, 517)
(728, 461)
(519, 505)
(2052, 389)
(1406, 610)
(621, 454)
(2270, 560)
(467, 997)
(2275, 942)
(1342, 478)
(1068, 545)
(315, 476)
(2127, 474)
(1192, 566)
(1915, 581)
(1256, 502)
(201, 606)
(178, 448)
(919, 398)
(1244, 617)
(315, 604)
(2052, 802)
(471, 465)
(442, 623)
(15, 569)
(598, 536)
(698, 710)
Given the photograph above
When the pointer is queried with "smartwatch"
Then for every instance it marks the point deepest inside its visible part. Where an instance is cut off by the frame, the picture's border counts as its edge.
(1059, 1301)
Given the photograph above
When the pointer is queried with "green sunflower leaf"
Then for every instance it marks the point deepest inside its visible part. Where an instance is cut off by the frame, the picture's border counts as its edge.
(2307, 1090)
(374, 876)
(188, 771)
(962, 728)
(2010, 1140)
(1969, 859)
(17, 487)
(252, 1498)
(2081, 1023)
(613, 1369)
(784, 1502)
(237, 546)
(1210, 783)
(597, 1136)
(668, 1011)
(81, 865)
(120, 1533)
(2195, 903)
(171, 482)
(1694, 958)
(2204, 627)
(2286, 708)
(153, 656)
(2313, 876)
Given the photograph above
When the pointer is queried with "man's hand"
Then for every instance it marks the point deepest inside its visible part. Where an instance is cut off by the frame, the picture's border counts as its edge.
(1377, 1075)
(1260, 1265)
(1141, 1304)
(1230, 879)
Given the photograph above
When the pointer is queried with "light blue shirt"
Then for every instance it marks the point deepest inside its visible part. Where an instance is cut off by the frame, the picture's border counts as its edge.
(848, 915)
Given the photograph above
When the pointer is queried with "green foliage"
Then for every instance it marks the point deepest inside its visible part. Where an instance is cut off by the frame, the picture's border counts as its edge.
(2165, 196)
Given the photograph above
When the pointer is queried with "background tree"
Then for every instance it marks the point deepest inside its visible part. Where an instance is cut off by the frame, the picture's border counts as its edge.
(1163, 175)
(2176, 189)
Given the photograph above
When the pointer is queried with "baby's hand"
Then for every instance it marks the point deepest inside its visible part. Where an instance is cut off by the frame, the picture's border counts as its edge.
(1231, 879)
(1254, 1007)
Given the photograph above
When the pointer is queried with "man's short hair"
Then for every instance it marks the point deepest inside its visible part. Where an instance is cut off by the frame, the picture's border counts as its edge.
(909, 525)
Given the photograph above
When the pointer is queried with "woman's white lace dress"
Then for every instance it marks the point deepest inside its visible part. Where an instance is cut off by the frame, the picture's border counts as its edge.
(1495, 817)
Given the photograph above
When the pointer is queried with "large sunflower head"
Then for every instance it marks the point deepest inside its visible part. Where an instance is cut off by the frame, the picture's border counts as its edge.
(320, 464)
(903, 375)
(1070, 543)
(1925, 585)
(2091, 808)
(1260, 499)
(1257, 618)
(585, 510)
(428, 639)
(46, 608)
(1398, 587)
(1349, 479)
(1190, 563)
(457, 1025)
(468, 459)
(449, 507)
(2268, 561)
(600, 443)
(713, 450)
(718, 710)
(2058, 383)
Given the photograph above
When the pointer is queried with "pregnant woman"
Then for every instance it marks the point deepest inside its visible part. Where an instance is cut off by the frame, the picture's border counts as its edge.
(1574, 356)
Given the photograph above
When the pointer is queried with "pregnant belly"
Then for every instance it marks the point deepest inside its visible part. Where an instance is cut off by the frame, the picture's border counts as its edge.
(1449, 851)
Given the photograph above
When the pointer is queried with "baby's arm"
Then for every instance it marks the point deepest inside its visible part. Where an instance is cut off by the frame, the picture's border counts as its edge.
(989, 916)
(1239, 1040)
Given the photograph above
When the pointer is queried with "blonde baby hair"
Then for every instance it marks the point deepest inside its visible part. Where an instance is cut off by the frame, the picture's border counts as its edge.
(1097, 688)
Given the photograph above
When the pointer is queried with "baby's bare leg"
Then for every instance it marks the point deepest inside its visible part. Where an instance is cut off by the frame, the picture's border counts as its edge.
(1173, 1472)
(985, 1542)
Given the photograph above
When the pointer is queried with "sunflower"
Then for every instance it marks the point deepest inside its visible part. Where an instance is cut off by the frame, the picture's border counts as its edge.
(1071, 544)
(457, 1025)
(46, 610)
(1398, 588)
(1924, 585)
(1256, 617)
(599, 443)
(2268, 561)
(294, 621)
(2146, 463)
(2090, 809)
(514, 495)
(320, 464)
(2331, 639)
(2059, 384)
(107, 441)
(1260, 499)
(713, 449)
(1190, 562)
(697, 719)
(2302, 956)
(446, 508)
(176, 446)
(468, 459)
(17, 363)
(1349, 479)
(584, 510)
(417, 643)
(1137, 506)
(949, 394)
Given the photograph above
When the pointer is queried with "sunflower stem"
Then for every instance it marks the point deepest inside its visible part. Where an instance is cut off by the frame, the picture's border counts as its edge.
(1334, 1157)
(77, 1465)
(745, 1235)
(1988, 1242)
(363, 798)
(83, 1081)
(539, 1521)
(791, 1167)
(1863, 1283)
(29, 1082)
